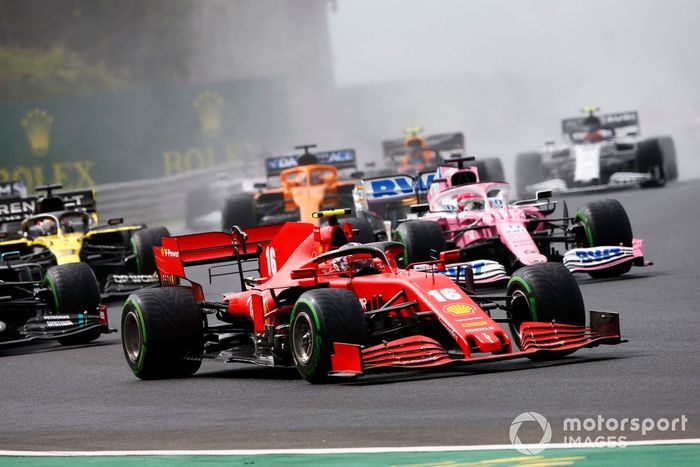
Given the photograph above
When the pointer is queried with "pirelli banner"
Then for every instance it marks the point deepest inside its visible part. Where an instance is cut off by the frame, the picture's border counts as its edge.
(83, 141)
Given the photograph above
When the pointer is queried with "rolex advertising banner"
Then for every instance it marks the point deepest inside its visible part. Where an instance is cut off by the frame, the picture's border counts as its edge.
(83, 141)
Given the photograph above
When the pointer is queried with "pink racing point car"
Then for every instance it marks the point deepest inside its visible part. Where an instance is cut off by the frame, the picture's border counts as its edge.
(495, 236)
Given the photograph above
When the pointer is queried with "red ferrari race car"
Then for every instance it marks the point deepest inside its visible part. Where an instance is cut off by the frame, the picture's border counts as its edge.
(333, 308)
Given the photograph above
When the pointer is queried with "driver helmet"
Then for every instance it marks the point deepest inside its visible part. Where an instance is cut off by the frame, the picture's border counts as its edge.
(46, 226)
(469, 202)
(593, 135)
(351, 263)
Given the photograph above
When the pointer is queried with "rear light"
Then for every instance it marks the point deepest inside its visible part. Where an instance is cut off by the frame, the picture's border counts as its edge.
(103, 315)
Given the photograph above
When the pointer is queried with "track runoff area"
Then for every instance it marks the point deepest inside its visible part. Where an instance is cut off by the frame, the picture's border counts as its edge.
(648, 453)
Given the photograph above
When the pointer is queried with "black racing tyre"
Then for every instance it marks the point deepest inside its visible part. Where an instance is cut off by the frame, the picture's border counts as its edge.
(142, 243)
(668, 149)
(321, 317)
(74, 289)
(651, 160)
(238, 210)
(605, 223)
(159, 328)
(529, 170)
(365, 232)
(490, 170)
(420, 237)
(544, 293)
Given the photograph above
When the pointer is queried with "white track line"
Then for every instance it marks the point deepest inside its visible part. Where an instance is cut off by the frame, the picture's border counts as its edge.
(262, 452)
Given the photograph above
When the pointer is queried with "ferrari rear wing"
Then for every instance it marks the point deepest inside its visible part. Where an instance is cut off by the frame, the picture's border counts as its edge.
(339, 158)
(175, 253)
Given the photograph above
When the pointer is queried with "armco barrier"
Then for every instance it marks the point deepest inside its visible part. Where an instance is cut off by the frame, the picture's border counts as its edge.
(160, 201)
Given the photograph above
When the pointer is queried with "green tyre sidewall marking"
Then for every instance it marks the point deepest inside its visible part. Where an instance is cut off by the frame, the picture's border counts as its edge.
(144, 335)
(136, 255)
(584, 220)
(54, 292)
(314, 363)
(531, 299)
(402, 239)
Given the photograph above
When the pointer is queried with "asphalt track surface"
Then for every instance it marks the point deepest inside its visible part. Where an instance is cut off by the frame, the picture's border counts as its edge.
(58, 398)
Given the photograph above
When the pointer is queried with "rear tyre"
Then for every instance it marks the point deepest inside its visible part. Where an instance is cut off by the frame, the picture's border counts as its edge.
(142, 243)
(320, 318)
(605, 223)
(490, 170)
(365, 232)
(544, 293)
(160, 327)
(670, 164)
(651, 159)
(238, 210)
(529, 170)
(74, 290)
(419, 238)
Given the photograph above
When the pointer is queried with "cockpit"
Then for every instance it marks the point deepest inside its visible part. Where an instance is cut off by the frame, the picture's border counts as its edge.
(56, 224)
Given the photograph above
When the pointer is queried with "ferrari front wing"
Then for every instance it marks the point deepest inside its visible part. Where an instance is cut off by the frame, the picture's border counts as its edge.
(537, 340)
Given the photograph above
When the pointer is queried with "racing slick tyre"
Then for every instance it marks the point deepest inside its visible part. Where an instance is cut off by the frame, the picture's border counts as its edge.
(544, 293)
(365, 232)
(160, 327)
(142, 243)
(419, 238)
(74, 289)
(490, 170)
(238, 210)
(605, 223)
(321, 317)
(528, 171)
(657, 156)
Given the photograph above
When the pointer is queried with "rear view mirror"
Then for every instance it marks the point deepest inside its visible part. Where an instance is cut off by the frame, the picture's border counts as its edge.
(260, 185)
(10, 256)
(544, 194)
(418, 208)
(358, 174)
(115, 221)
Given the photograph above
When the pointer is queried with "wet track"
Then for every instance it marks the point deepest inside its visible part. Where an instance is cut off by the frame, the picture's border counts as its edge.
(87, 398)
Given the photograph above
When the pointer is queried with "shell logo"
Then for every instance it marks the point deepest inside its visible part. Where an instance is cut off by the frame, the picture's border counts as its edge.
(459, 309)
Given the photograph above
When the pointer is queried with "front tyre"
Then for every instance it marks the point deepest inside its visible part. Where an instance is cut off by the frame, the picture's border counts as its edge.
(605, 223)
(74, 290)
(421, 239)
(544, 293)
(238, 210)
(320, 318)
(142, 243)
(160, 328)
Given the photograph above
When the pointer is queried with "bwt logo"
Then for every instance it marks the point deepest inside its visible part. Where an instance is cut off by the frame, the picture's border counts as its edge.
(395, 186)
(604, 253)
